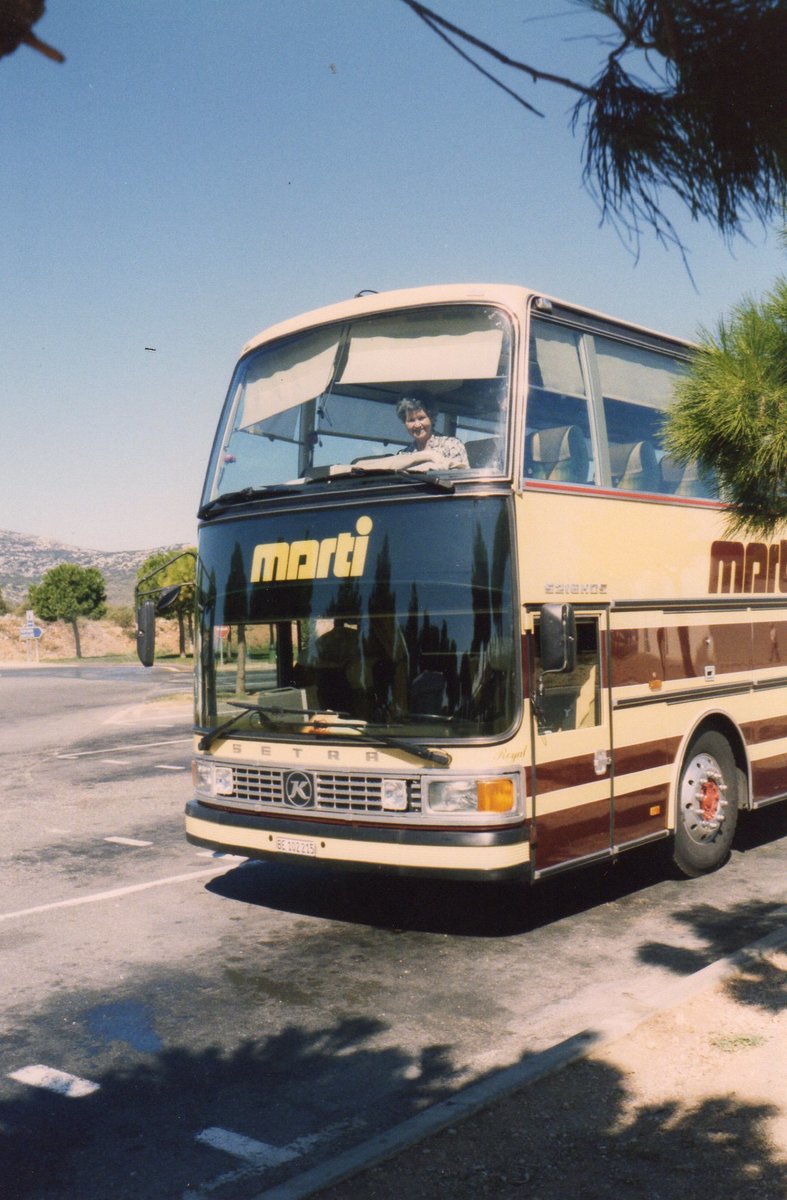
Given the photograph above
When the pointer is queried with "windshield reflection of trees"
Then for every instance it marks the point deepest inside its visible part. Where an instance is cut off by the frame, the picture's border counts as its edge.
(367, 653)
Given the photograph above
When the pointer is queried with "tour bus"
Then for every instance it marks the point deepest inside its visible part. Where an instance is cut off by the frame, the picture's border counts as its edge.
(459, 614)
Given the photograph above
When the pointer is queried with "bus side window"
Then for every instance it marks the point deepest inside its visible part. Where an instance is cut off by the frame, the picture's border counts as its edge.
(571, 700)
(637, 386)
(558, 444)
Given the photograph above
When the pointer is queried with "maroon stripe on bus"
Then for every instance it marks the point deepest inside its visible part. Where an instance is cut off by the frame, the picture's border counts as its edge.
(579, 770)
(769, 777)
(573, 833)
(642, 757)
(766, 730)
(642, 812)
(565, 773)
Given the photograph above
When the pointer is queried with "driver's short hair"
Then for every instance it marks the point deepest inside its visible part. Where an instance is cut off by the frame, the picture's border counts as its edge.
(409, 404)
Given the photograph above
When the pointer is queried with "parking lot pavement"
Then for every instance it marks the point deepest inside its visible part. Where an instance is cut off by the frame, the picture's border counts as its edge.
(690, 1101)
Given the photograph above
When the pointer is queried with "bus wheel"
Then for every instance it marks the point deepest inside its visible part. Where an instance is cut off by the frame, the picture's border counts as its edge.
(707, 809)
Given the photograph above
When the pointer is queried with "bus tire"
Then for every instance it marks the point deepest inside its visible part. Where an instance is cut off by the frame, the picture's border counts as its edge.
(707, 806)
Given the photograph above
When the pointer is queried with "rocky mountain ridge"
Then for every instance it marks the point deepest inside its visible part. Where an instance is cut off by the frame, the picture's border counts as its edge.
(25, 559)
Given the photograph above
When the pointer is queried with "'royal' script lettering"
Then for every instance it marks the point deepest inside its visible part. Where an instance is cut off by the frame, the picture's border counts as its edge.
(343, 556)
(748, 567)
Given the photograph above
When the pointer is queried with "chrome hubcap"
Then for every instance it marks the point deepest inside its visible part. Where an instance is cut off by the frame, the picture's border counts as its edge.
(702, 802)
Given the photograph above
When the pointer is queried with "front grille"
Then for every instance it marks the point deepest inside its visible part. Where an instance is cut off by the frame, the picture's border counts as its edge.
(259, 788)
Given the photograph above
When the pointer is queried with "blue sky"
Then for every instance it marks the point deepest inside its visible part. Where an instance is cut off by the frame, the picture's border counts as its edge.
(199, 169)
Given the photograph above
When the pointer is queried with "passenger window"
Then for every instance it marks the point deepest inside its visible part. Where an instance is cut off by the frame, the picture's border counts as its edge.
(637, 387)
(558, 444)
(571, 700)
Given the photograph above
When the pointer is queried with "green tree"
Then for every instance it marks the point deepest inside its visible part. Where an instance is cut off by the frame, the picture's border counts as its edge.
(167, 570)
(5, 607)
(67, 592)
(690, 98)
(730, 413)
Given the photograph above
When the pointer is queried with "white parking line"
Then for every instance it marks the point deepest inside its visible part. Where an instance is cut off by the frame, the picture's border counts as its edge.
(258, 1157)
(127, 746)
(164, 767)
(115, 894)
(118, 762)
(55, 1081)
(126, 841)
(258, 1154)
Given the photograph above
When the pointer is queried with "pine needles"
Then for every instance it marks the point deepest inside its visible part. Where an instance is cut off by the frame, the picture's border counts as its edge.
(730, 412)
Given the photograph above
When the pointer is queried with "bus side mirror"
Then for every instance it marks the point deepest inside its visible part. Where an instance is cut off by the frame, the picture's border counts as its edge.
(558, 628)
(167, 598)
(146, 632)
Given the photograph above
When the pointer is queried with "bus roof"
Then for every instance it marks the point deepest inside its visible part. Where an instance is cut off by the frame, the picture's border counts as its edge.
(511, 296)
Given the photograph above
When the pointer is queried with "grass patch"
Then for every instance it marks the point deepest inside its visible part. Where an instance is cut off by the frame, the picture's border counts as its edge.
(742, 1041)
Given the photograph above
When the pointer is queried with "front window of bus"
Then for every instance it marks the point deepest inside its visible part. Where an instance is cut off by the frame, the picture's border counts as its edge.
(327, 396)
(415, 637)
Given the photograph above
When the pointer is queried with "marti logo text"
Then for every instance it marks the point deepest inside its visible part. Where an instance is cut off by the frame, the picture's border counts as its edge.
(748, 567)
(342, 557)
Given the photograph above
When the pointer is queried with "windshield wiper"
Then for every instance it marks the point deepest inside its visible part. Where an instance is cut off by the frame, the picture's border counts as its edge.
(267, 713)
(207, 739)
(244, 495)
(441, 757)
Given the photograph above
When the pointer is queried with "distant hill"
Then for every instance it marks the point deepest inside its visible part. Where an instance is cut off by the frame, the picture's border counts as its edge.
(25, 560)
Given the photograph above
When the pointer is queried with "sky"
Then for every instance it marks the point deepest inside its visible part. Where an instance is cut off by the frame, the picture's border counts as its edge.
(198, 170)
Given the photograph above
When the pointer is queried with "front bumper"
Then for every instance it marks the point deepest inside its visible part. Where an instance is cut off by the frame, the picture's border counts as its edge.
(469, 854)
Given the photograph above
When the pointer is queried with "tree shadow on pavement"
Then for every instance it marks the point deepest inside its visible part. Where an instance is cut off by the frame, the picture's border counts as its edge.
(759, 982)
(166, 1125)
(722, 930)
(577, 1134)
(139, 1134)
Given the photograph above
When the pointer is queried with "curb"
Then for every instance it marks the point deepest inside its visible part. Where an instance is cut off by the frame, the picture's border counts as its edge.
(477, 1096)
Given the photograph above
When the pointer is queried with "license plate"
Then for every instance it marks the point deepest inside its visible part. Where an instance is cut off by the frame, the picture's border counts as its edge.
(288, 845)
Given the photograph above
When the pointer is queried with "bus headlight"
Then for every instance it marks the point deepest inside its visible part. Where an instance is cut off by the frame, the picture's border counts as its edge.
(472, 795)
(394, 796)
(211, 779)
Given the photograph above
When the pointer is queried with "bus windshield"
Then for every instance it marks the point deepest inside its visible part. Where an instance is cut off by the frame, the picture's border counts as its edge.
(412, 634)
(327, 398)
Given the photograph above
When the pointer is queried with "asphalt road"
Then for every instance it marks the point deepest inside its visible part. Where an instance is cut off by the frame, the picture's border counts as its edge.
(177, 1025)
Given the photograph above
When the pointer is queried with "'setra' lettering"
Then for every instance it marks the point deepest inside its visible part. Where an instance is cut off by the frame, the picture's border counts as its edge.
(343, 556)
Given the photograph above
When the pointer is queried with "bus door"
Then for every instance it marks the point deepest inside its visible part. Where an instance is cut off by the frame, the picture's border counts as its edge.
(571, 776)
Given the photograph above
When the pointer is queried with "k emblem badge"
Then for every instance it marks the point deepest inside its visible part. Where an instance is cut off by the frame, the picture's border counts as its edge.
(299, 789)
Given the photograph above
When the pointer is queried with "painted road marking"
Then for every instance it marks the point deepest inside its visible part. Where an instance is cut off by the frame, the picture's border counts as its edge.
(154, 712)
(164, 767)
(126, 841)
(55, 1081)
(118, 762)
(126, 746)
(258, 1157)
(257, 1154)
(115, 894)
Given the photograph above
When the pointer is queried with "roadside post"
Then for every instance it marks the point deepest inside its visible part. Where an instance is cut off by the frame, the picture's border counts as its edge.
(30, 633)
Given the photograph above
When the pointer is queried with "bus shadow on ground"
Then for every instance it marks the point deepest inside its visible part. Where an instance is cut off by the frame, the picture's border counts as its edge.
(410, 904)
(414, 905)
